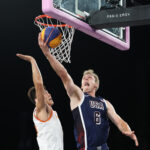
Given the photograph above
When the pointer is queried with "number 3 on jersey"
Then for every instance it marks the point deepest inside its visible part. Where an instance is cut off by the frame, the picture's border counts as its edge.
(97, 117)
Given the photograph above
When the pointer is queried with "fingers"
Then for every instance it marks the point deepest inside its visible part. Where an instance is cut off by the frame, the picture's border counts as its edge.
(43, 45)
(135, 140)
(17, 55)
(39, 37)
(133, 137)
(40, 40)
(136, 143)
(20, 56)
(25, 57)
(133, 132)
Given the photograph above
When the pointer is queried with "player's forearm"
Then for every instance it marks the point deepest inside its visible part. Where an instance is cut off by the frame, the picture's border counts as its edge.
(57, 66)
(123, 126)
(37, 78)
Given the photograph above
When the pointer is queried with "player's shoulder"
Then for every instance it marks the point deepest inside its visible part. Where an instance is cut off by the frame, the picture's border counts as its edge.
(101, 98)
(104, 101)
(55, 113)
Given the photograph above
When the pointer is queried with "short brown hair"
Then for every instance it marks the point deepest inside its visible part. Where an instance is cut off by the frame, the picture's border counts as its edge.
(91, 71)
(32, 94)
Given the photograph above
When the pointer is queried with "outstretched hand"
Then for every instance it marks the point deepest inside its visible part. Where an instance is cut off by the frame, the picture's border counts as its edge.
(25, 57)
(43, 45)
(132, 136)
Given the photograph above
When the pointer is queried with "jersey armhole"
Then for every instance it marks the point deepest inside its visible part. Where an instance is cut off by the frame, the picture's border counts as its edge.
(105, 103)
(82, 99)
(80, 103)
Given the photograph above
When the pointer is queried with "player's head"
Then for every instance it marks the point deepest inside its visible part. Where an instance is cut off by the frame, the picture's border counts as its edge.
(90, 81)
(32, 96)
(48, 98)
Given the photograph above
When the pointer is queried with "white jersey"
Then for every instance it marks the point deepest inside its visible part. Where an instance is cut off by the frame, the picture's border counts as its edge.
(49, 133)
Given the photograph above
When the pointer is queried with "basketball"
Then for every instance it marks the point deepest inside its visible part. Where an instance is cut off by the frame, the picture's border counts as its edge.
(53, 35)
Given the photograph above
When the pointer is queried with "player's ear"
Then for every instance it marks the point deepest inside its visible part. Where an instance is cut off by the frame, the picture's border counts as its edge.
(35, 100)
(96, 86)
(81, 85)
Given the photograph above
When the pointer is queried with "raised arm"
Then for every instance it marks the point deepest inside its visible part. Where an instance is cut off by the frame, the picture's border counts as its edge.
(73, 91)
(120, 123)
(37, 80)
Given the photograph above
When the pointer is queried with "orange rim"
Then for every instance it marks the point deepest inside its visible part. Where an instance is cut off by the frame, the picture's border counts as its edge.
(49, 17)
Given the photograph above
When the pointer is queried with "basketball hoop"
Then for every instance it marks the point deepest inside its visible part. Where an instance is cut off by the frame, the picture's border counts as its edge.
(62, 52)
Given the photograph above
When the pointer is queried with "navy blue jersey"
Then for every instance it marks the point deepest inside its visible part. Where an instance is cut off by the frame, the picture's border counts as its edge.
(91, 126)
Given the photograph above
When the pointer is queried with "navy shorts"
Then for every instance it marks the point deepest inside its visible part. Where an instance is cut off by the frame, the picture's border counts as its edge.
(102, 147)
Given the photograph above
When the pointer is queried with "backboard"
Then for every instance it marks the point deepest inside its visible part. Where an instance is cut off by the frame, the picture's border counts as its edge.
(75, 13)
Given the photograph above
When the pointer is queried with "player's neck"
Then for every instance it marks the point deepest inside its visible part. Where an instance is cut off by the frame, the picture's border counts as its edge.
(92, 93)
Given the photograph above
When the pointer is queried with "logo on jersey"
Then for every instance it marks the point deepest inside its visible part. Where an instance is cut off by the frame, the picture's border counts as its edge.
(97, 105)
(97, 117)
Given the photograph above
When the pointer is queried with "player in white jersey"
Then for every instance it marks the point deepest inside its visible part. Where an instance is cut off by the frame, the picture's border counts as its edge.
(47, 124)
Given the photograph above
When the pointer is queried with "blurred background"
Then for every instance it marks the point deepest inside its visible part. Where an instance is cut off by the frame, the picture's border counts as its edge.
(124, 76)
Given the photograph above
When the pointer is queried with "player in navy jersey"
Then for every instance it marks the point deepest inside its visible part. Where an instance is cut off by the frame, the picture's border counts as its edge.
(91, 113)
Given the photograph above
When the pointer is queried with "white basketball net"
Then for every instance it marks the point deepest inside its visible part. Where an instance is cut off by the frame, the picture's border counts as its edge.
(62, 52)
